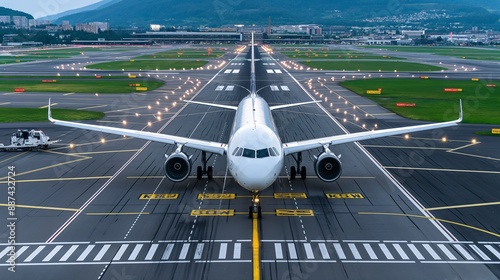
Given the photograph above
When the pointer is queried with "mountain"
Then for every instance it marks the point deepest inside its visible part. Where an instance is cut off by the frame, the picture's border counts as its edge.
(95, 6)
(127, 13)
(10, 12)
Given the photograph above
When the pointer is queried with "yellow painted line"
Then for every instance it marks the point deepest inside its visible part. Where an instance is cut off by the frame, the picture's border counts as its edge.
(117, 213)
(495, 131)
(159, 196)
(11, 158)
(476, 156)
(47, 167)
(216, 196)
(289, 195)
(255, 247)
(127, 109)
(431, 218)
(344, 195)
(92, 107)
(69, 93)
(213, 213)
(105, 152)
(5, 103)
(294, 212)
(463, 206)
(443, 170)
(263, 213)
(59, 179)
(42, 207)
(463, 147)
(404, 147)
(53, 104)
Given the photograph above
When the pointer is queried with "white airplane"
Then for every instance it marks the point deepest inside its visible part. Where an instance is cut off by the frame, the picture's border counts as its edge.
(255, 153)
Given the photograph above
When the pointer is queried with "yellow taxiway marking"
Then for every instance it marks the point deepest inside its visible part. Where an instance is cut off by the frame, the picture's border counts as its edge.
(344, 195)
(69, 93)
(66, 146)
(463, 206)
(294, 212)
(289, 195)
(431, 218)
(53, 104)
(58, 179)
(42, 207)
(442, 170)
(127, 109)
(212, 212)
(255, 247)
(159, 196)
(105, 152)
(216, 196)
(92, 107)
(117, 213)
(81, 158)
(405, 147)
(5, 103)
(11, 158)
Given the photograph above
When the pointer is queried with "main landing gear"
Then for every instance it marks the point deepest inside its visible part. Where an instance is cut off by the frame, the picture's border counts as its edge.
(255, 210)
(293, 169)
(200, 170)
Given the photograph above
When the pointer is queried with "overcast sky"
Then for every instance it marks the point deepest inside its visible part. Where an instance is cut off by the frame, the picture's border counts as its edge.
(41, 8)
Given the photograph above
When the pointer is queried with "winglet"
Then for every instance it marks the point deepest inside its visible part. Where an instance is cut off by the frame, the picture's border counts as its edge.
(50, 113)
(461, 116)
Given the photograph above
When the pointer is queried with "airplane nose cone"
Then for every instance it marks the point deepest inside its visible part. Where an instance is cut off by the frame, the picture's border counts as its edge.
(258, 174)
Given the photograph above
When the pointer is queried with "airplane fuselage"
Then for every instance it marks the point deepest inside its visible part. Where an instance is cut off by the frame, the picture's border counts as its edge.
(254, 152)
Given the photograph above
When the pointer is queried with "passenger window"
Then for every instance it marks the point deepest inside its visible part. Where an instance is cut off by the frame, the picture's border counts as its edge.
(262, 153)
(249, 153)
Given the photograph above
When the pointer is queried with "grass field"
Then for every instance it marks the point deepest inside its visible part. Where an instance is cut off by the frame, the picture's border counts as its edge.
(148, 65)
(39, 115)
(183, 53)
(461, 52)
(333, 54)
(386, 66)
(480, 103)
(78, 84)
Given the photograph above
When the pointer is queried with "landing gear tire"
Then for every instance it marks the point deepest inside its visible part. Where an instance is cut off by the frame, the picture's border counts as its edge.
(199, 172)
(210, 172)
(303, 174)
(293, 172)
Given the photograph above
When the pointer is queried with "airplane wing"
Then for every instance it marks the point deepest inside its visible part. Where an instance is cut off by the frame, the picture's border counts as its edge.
(299, 146)
(208, 146)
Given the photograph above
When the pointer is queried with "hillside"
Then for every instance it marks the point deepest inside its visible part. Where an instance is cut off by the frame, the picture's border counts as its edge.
(98, 5)
(10, 12)
(215, 13)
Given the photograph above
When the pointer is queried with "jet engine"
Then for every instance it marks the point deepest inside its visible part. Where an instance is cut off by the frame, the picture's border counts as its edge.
(328, 166)
(178, 166)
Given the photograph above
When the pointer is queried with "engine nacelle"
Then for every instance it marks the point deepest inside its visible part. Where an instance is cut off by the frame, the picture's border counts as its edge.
(178, 166)
(328, 167)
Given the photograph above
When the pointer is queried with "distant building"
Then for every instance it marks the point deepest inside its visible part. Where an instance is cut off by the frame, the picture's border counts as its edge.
(66, 26)
(155, 27)
(413, 33)
(20, 21)
(5, 19)
(92, 27)
(32, 23)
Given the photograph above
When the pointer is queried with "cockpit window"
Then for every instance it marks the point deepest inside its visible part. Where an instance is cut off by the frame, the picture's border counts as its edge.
(240, 151)
(262, 153)
(272, 153)
(276, 151)
(249, 153)
(235, 151)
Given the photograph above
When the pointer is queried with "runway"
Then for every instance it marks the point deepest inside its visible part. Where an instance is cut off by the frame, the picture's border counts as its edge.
(103, 209)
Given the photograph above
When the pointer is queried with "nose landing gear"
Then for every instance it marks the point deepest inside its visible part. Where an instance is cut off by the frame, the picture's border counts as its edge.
(255, 210)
